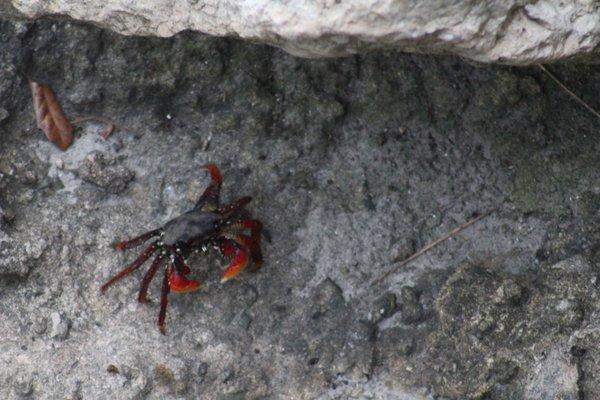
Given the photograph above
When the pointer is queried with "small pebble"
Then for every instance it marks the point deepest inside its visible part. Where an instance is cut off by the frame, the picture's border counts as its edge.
(509, 292)
(23, 385)
(3, 114)
(107, 173)
(412, 310)
(384, 307)
(242, 321)
(39, 325)
(112, 369)
(6, 216)
(202, 369)
(59, 326)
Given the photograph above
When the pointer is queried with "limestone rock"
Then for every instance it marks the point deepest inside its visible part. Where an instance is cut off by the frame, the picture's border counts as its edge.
(512, 32)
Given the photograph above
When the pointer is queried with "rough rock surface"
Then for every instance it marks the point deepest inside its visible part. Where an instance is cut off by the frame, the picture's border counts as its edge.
(352, 163)
(513, 31)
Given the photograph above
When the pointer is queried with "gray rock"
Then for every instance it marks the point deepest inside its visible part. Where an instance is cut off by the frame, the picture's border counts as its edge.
(3, 115)
(553, 377)
(497, 31)
(497, 335)
(39, 325)
(384, 307)
(412, 310)
(349, 168)
(509, 292)
(18, 257)
(6, 216)
(584, 357)
(336, 341)
(23, 385)
(395, 342)
(106, 173)
(59, 326)
(171, 379)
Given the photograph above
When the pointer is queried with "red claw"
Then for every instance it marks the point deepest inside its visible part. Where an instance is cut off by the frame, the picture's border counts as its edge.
(180, 284)
(227, 248)
(239, 261)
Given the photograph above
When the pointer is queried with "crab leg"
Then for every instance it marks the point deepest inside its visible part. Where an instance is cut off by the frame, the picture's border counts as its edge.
(164, 299)
(132, 267)
(148, 277)
(238, 255)
(230, 208)
(254, 225)
(209, 201)
(244, 240)
(136, 241)
(180, 264)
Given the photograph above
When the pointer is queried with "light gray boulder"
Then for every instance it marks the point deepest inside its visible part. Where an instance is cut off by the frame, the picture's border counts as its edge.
(505, 31)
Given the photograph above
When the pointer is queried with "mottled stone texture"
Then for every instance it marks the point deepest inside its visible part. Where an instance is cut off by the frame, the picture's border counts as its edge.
(505, 31)
(351, 163)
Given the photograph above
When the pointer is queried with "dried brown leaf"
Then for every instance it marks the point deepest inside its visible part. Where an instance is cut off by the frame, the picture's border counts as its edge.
(50, 117)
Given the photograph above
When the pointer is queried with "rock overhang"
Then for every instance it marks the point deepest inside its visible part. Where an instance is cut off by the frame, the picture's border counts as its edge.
(514, 32)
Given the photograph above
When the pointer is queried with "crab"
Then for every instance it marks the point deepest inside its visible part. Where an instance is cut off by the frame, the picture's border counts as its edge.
(207, 225)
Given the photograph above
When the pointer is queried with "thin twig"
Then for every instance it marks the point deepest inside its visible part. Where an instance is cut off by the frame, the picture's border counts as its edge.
(110, 128)
(111, 125)
(566, 89)
(206, 142)
(453, 232)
